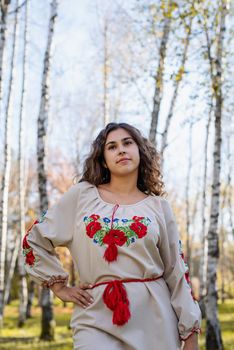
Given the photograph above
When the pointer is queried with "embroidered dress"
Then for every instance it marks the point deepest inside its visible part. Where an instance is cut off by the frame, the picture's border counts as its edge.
(132, 255)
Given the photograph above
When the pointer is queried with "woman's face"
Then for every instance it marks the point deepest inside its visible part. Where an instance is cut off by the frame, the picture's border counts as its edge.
(121, 153)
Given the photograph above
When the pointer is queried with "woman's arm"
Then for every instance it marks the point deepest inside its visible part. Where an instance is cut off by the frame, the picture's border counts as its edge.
(55, 228)
(177, 278)
(191, 343)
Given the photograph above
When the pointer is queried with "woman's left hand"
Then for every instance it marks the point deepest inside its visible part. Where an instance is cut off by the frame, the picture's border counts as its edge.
(191, 343)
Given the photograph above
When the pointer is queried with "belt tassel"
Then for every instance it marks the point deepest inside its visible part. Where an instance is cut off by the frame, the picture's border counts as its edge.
(116, 299)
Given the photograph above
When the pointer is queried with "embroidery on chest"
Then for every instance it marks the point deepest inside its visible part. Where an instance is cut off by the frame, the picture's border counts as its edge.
(116, 232)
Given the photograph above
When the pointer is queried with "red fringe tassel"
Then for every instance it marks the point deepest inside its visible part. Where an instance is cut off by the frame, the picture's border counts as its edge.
(116, 299)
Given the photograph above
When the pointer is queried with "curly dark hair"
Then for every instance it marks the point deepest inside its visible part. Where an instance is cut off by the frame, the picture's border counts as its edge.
(149, 173)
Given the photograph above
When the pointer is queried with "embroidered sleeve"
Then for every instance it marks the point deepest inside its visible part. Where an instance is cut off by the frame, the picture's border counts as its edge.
(55, 228)
(176, 275)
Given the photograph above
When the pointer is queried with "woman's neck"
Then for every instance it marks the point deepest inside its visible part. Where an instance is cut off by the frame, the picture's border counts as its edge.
(124, 186)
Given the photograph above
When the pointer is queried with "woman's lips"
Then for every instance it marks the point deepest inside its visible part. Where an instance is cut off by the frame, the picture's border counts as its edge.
(124, 160)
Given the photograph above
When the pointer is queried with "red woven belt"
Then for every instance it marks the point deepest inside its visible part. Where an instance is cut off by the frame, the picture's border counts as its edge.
(116, 299)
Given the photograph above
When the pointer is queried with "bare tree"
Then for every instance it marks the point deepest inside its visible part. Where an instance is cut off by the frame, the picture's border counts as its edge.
(6, 174)
(11, 270)
(213, 333)
(229, 182)
(188, 179)
(3, 9)
(23, 291)
(106, 69)
(178, 77)
(204, 247)
(158, 90)
(47, 330)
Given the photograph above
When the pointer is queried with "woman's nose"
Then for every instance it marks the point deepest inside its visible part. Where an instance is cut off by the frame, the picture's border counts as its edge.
(121, 150)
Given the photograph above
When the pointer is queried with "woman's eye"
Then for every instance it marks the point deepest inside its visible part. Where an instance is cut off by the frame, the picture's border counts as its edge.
(111, 147)
(128, 142)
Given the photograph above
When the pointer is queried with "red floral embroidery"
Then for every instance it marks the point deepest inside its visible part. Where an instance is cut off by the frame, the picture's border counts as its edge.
(115, 237)
(112, 239)
(27, 249)
(92, 228)
(138, 218)
(95, 217)
(115, 232)
(139, 228)
(30, 258)
(186, 275)
(25, 242)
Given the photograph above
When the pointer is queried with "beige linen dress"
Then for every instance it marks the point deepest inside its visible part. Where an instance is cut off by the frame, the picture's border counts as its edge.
(146, 237)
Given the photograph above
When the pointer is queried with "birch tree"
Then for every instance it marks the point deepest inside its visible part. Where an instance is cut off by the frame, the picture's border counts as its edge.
(106, 68)
(23, 292)
(47, 325)
(3, 8)
(187, 18)
(6, 173)
(158, 90)
(204, 241)
(213, 333)
(188, 179)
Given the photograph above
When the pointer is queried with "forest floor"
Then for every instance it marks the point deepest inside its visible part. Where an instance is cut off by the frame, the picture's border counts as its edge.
(28, 336)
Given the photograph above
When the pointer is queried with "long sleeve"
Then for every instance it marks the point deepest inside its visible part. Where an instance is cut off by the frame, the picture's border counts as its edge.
(177, 277)
(55, 228)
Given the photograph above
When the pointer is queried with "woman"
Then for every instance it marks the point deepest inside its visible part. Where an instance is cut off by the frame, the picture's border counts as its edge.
(134, 290)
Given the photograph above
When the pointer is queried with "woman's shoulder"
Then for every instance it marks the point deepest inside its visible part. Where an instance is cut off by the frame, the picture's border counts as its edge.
(161, 203)
(83, 185)
(159, 199)
(78, 188)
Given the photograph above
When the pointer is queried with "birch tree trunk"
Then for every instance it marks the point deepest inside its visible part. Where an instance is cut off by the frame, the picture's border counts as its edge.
(188, 177)
(6, 175)
(31, 288)
(106, 69)
(3, 13)
(213, 333)
(178, 79)
(158, 91)
(23, 291)
(204, 238)
(47, 323)
(229, 182)
(11, 271)
(222, 248)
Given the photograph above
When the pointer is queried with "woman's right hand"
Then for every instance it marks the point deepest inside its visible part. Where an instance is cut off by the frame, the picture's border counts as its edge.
(77, 295)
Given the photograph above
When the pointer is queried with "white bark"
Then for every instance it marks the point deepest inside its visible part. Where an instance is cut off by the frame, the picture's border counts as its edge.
(178, 80)
(47, 330)
(11, 270)
(6, 175)
(23, 292)
(42, 121)
(3, 14)
(213, 333)
(188, 178)
(159, 78)
(203, 276)
(106, 70)
(229, 182)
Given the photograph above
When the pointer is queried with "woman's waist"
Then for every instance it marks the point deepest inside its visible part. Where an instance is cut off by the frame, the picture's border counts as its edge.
(106, 275)
(115, 296)
(122, 280)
